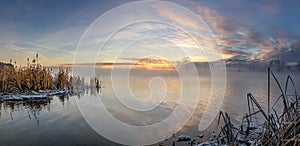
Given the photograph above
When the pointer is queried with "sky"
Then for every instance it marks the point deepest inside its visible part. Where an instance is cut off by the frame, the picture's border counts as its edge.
(243, 30)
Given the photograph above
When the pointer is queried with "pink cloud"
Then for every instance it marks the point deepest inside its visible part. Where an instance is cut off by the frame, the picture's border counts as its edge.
(233, 38)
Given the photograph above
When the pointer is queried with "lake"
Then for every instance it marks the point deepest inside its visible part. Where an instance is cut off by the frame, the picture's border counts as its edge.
(59, 121)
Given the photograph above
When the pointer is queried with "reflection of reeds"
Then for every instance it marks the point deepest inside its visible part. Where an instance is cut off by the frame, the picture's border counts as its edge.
(33, 78)
(95, 82)
(273, 129)
(33, 108)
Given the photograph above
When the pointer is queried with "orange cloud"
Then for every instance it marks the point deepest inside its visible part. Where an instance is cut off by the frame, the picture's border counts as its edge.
(281, 43)
(154, 64)
(214, 19)
(177, 17)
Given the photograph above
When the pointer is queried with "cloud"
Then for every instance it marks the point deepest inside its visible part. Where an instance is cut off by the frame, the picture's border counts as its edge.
(242, 42)
(177, 17)
(235, 40)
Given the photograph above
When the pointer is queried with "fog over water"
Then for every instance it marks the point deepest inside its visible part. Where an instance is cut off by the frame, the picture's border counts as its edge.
(58, 121)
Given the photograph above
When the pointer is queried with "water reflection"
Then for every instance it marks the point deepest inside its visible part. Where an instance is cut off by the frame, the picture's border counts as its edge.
(94, 91)
(45, 122)
(58, 116)
(32, 108)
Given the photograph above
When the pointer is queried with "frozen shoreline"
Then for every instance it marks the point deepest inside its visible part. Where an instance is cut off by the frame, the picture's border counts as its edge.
(33, 95)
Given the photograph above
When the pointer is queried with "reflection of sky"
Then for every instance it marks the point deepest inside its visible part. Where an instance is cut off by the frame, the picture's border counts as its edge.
(61, 115)
(245, 30)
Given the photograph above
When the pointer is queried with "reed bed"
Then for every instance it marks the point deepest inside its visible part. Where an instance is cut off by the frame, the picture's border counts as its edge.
(260, 127)
(15, 80)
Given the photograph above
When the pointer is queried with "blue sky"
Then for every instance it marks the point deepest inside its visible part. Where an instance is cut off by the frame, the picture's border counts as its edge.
(245, 30)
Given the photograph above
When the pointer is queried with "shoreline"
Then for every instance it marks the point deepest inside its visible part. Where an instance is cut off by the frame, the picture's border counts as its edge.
(34, 95)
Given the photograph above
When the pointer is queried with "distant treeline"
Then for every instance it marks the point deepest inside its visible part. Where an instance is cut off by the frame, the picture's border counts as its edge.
(35, 79)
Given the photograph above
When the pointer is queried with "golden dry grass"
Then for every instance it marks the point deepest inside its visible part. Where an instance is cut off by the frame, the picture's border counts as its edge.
(38, 78)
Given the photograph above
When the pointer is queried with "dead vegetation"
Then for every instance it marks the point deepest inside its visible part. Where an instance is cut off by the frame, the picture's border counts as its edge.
(35, 78)
(260, 127)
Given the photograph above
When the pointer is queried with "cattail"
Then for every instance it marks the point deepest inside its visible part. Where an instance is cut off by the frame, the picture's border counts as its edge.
(33, 62)
(27, 62)
(37, 59)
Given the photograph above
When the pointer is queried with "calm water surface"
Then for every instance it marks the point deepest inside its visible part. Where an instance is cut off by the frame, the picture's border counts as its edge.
(58, 121)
